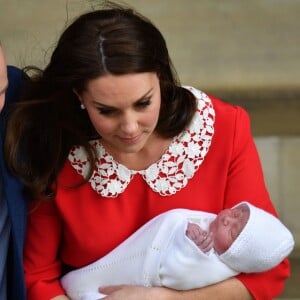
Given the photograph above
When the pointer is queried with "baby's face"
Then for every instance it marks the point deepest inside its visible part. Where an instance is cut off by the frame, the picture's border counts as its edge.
(227, 226)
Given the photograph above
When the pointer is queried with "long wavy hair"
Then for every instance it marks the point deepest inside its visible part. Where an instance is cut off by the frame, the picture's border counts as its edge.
(48, 121)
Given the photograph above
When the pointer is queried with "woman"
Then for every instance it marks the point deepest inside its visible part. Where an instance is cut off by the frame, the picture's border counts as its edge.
(112, 138)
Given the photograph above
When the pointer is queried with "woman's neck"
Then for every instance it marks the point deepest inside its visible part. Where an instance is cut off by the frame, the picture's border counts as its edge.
(141, 160)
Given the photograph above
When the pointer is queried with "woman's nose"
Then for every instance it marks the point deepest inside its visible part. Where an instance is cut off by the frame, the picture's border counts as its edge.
(128, 124)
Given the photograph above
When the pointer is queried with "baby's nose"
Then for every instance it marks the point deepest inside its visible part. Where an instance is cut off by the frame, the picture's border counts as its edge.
(229, 220)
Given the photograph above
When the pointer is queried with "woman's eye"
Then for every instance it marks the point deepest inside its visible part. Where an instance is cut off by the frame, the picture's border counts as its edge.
(105, 111)
(143, 103)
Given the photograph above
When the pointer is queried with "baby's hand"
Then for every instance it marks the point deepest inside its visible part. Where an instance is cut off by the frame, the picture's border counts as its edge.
(200, 237)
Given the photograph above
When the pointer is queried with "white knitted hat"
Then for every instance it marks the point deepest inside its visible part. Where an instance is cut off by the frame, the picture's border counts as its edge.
(263, 243)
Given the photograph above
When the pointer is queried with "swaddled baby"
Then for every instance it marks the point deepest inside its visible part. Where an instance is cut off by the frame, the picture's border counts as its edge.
(177, 248)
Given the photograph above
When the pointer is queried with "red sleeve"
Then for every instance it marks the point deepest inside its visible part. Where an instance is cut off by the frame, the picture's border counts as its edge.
(246, 182)
(41, 264)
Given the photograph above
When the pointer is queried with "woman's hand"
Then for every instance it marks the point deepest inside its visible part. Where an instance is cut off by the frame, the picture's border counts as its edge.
(231, 289)
(132, 292)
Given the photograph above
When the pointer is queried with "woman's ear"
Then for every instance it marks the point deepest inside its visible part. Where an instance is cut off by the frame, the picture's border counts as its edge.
(79, 98)
(76, 93)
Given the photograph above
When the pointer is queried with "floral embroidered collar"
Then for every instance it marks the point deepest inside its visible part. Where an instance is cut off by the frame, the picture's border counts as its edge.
(168, 175)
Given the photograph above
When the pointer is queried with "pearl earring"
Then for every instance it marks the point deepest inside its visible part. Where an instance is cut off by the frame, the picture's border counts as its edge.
(82, 106)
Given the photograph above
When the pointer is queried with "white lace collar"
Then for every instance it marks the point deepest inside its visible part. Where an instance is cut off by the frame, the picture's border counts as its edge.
(168, 175)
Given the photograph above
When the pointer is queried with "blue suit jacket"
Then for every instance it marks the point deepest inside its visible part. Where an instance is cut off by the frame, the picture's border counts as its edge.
(16, 201)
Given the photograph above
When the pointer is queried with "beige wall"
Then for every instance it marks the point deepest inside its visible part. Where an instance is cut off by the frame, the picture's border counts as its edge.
(281, 164)
(214, 43)
(238, 46)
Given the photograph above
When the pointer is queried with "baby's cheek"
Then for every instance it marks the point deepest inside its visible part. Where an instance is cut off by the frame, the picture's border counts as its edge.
(221, 243)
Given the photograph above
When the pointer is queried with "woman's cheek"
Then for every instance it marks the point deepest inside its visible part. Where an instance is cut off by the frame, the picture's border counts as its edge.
(104, 127)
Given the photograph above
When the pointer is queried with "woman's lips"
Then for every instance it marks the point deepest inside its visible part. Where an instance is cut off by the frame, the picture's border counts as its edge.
(130, 140)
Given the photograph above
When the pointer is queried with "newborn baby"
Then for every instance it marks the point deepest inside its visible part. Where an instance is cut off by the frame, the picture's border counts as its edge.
(177, 248)
(222, 231)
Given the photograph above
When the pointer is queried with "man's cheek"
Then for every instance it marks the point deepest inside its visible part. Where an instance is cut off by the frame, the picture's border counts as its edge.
(1, 102)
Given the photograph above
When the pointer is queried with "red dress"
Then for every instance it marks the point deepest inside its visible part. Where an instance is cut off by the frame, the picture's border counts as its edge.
(212, 166)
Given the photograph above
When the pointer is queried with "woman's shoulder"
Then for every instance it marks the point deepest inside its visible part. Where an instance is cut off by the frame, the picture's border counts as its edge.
(68, 176)
(218, 104)
(227, 110)
(224, 112)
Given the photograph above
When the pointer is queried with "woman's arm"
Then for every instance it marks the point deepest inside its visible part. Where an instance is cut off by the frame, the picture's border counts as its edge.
(231, 289)
(41, 264)
(60, 297)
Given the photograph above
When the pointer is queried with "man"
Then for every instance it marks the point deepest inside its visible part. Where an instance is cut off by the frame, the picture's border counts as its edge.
(12, 200)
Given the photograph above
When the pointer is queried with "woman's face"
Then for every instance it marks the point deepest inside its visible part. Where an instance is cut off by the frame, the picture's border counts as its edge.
(3, 79)
(123, 109)
(227, 226)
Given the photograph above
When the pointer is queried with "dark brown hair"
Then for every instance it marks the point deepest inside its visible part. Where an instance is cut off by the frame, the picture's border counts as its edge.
(48, 121)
